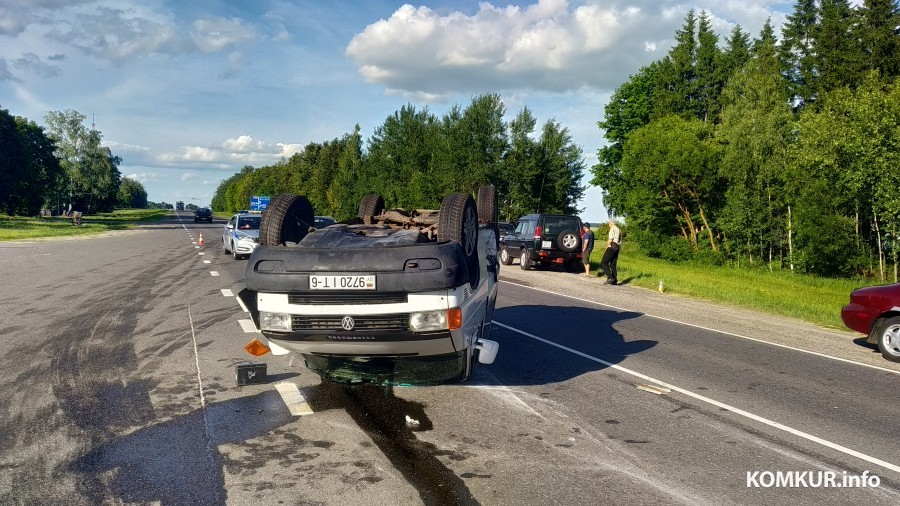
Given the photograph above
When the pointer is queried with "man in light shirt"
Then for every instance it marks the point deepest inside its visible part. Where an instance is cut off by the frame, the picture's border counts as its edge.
(611, 255)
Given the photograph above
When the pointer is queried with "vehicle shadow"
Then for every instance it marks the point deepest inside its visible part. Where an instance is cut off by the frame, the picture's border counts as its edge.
(179, 461)
(535, 349)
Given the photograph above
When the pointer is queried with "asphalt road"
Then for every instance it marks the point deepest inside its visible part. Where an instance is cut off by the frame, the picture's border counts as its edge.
(118, 378)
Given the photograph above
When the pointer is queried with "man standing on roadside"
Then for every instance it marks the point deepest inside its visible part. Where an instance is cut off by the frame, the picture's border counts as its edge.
(587, 246)
(611, 255)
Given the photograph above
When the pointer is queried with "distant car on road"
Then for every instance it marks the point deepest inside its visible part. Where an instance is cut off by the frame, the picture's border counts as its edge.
(203, 214)
(875, 311)
(323, 221)
(241, 235)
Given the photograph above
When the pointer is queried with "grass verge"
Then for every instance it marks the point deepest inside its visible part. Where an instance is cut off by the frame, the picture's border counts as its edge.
(811, 298)
(20, 227)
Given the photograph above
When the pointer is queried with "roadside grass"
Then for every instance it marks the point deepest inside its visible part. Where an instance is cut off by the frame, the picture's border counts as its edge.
(811, 298)
(22, 227)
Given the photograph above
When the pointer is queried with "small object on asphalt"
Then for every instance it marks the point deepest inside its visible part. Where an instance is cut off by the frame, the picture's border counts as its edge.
(661, 289)
(411, 422)
(251, 373)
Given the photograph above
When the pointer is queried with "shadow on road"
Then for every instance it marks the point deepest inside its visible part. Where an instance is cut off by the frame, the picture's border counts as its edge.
(179, 462)
(527, 360)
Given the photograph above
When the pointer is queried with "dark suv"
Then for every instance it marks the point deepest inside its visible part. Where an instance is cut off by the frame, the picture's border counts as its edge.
(544, 239)
(202, 213)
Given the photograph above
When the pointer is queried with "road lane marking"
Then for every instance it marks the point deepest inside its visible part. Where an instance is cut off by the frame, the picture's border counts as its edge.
(732, 334)
(207, 261)
(201, 253)
(227, 292)
(197, 247)
(214, 273)
(746, 414)
(293, 399)
(247, 326)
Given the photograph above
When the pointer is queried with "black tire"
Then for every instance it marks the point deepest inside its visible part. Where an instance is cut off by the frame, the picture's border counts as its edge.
(225, 247)
(568, 241)
(487, 204)
(524, 260)
(505, 257)
(458, 222)
(888, 335)
(287, 219)
(370, 206)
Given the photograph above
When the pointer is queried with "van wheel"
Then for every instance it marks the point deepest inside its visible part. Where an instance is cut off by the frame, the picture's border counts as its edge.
(889, 338)
(287, 219)
(458, 222)
(370, 206)
(568, 241)
(505, 259)
(524, 260)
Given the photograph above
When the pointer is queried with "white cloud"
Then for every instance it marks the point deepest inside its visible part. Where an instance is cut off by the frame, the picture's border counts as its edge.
(550, 45)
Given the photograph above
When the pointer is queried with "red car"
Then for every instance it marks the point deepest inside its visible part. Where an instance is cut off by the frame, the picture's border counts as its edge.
(875, 311)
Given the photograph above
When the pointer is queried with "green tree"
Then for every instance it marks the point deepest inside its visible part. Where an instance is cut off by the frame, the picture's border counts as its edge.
(709, 75)
(521, 169)
(797, 51)
(675, 85)
(91, 169)
(673, 185)
(880, 38)
(838, 53)
(132, 194)
(755, 134)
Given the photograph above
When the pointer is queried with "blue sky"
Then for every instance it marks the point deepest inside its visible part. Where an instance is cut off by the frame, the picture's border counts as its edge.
(187, 93)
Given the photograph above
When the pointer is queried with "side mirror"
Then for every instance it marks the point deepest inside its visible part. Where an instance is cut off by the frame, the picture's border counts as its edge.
(229, 226)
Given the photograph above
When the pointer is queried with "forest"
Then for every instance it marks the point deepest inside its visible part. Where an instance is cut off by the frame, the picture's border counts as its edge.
(779, 152)
(415, 158)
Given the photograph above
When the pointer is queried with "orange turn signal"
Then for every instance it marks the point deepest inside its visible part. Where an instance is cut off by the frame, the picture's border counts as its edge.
(256, 348)
(454, 318)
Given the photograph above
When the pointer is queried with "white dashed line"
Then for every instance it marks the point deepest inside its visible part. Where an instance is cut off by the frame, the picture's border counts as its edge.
(227, 293)
(738, 411)
(247, 326)
(214, 273)
(201, 253)
(293, 399)
(207, 261)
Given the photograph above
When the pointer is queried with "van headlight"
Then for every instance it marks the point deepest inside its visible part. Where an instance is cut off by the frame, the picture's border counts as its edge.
(274, 321)
(427, 321)
(450, 319)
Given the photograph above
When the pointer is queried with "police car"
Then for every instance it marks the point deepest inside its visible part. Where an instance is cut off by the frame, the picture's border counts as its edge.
(241, 234)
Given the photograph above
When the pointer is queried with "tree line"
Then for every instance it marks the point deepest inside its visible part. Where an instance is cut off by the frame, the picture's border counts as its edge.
(762, 151)
(415, 158)
(60, 165)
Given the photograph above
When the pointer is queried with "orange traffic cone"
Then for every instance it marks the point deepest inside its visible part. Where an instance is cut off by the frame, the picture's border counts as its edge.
(201, 239)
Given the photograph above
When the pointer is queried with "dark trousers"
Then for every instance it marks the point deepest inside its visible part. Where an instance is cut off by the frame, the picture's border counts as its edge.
(608, 263)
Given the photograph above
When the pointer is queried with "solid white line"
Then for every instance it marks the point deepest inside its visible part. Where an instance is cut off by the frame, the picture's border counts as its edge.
(832, 357)
(293, 399)
(227, 292)
(247, 326)
(747, 414)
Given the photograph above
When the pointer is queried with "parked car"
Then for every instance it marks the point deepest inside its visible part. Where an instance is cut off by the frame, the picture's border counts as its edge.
(203, 214)
(241, 235)
(544, 239)
(505, 228)
(875, 311)
(323, 221)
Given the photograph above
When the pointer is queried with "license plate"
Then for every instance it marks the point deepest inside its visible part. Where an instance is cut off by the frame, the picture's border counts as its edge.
(354, 282)
(546, 244)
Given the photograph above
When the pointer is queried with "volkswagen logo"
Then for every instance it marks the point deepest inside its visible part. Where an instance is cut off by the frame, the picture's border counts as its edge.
(347, 323)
